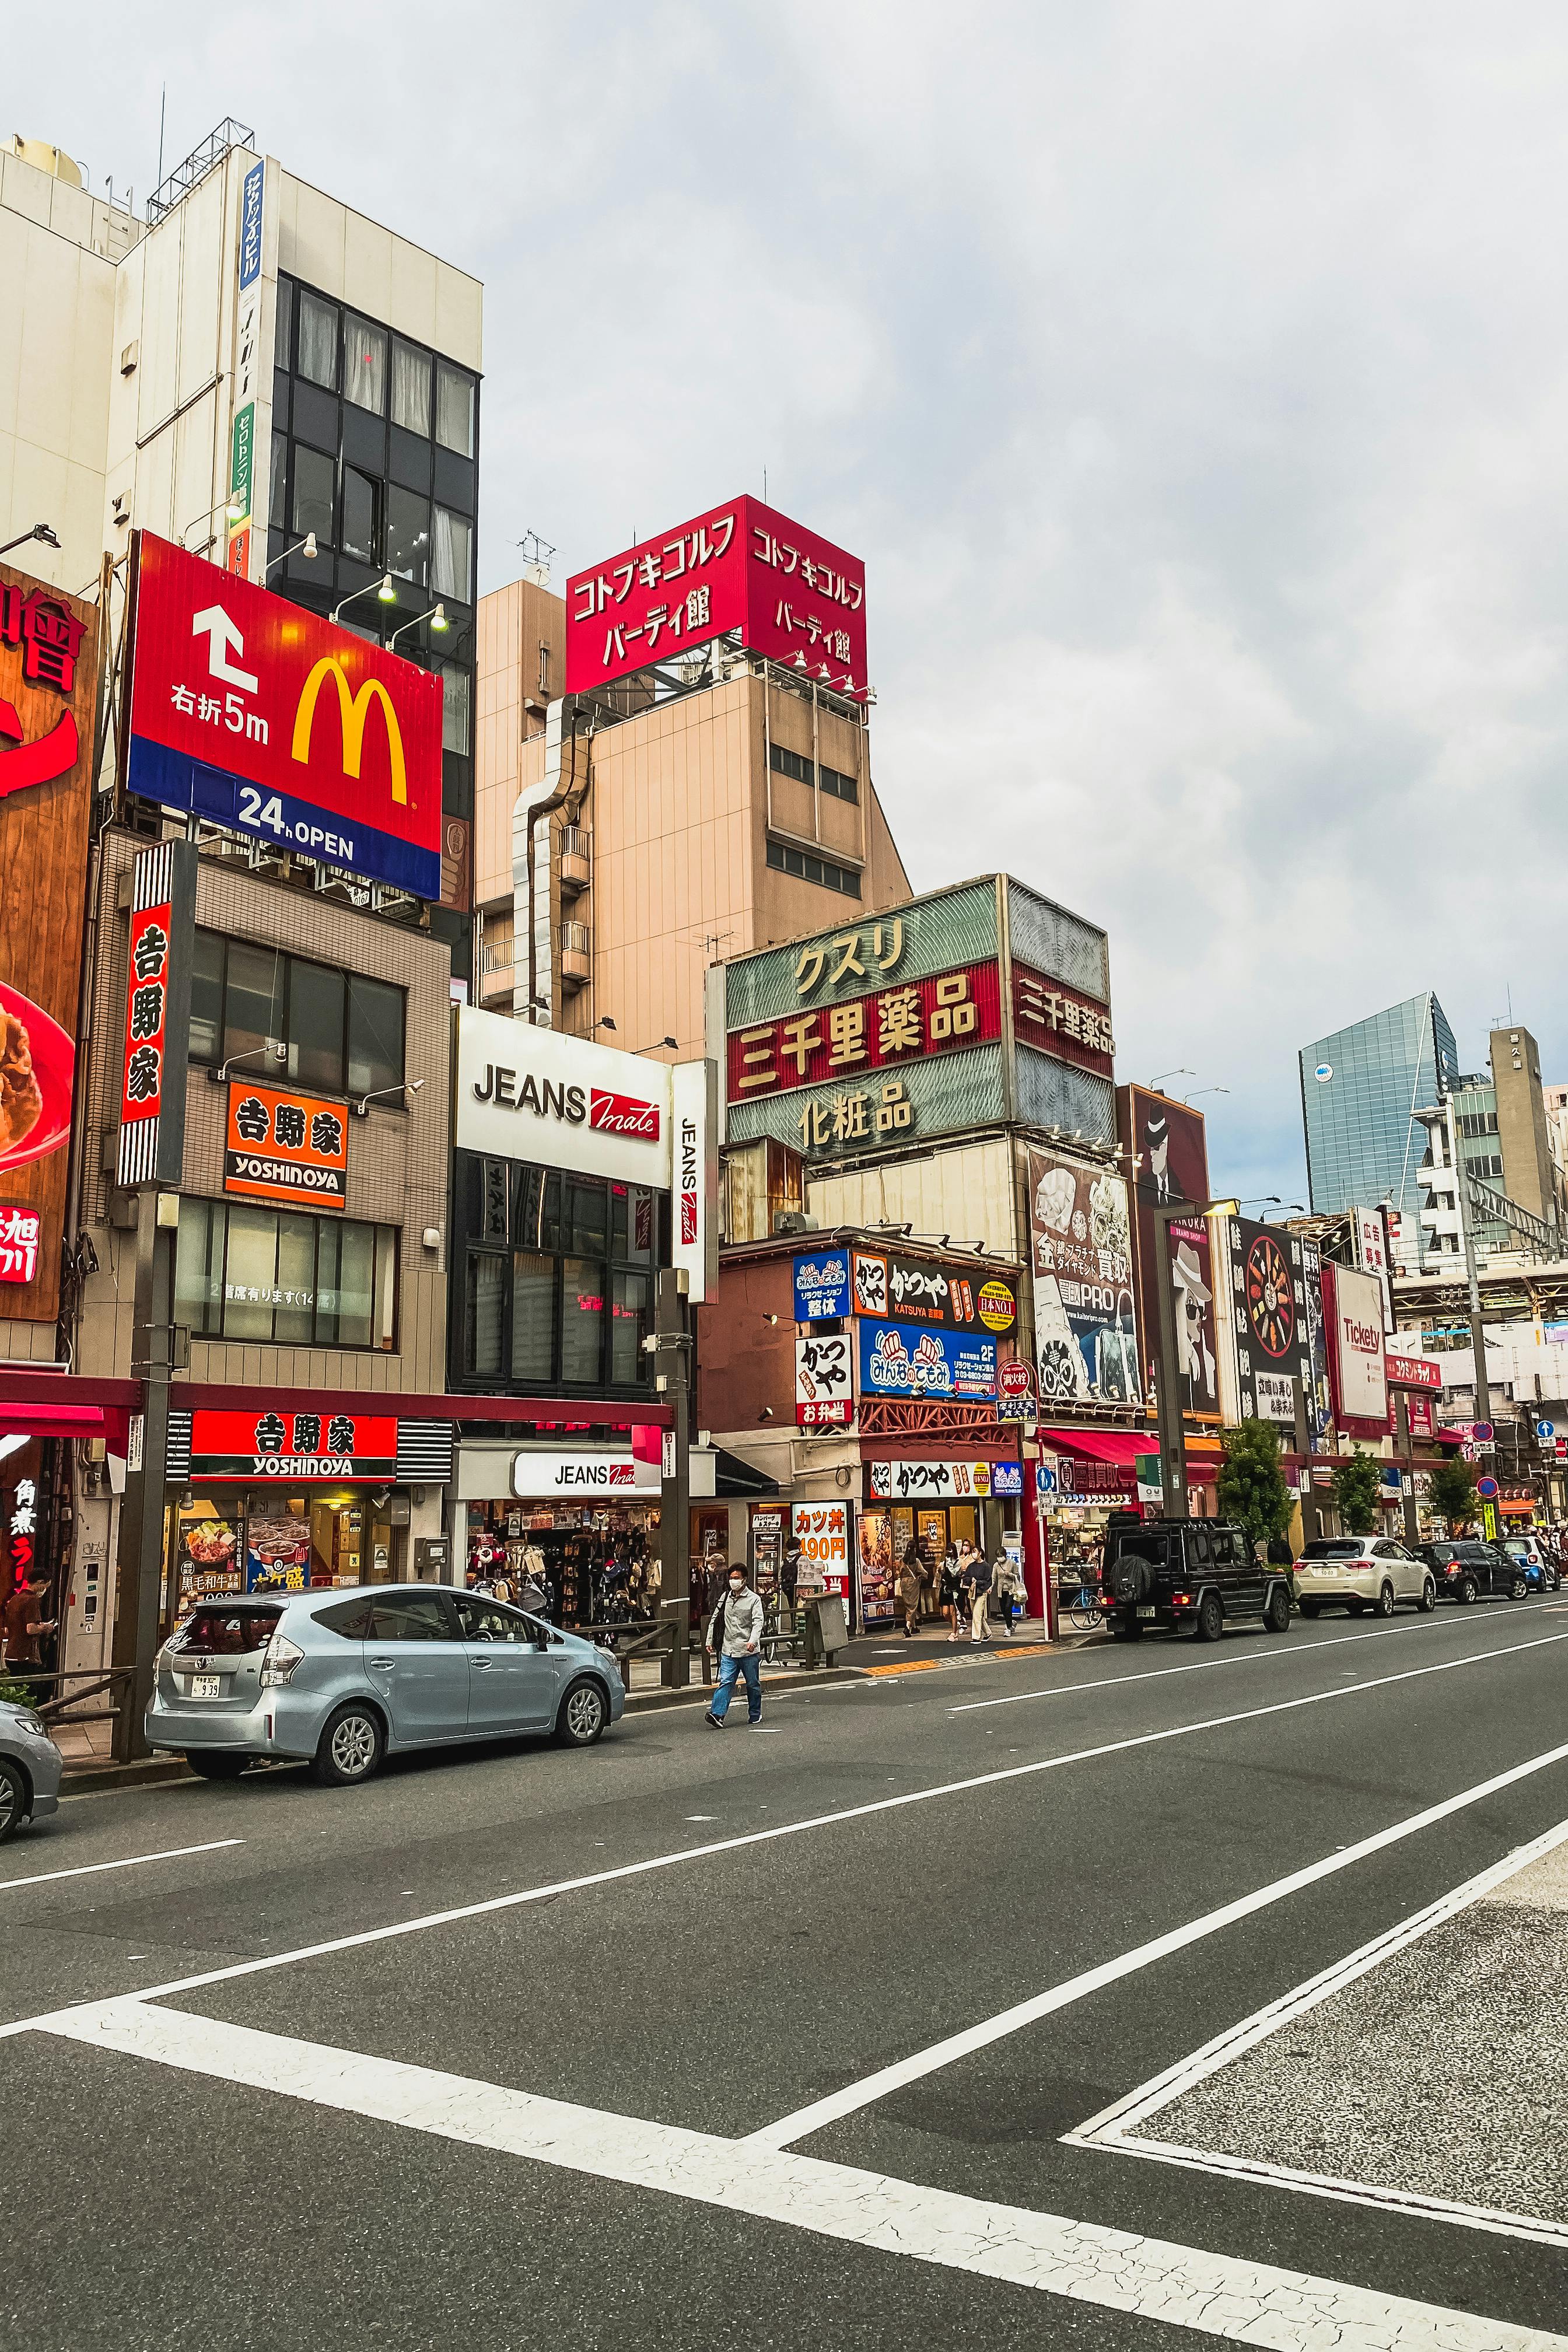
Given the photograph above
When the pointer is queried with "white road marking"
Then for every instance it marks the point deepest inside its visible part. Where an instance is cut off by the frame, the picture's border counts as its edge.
(127, 1861)
(1114, 2270)
(713, 1847)
(1116, 2128)
(1297, 1653)
(888, 2079)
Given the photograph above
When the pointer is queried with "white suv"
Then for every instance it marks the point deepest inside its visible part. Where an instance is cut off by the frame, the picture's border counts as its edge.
(1359, 1572)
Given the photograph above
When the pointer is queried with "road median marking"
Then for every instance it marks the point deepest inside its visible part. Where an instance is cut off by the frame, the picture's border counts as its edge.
(125, 1861)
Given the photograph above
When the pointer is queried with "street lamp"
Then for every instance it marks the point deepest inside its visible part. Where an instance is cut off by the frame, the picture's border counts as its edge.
(279, 1052)
(306, 546)
(658, 1042)
(381, 590)
(232, 512)
(39, 531)
(1205, 1090)
(1154, 1083)
(436, 617)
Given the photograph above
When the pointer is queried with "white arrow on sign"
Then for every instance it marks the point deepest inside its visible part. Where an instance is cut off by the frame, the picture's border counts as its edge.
(221, 634)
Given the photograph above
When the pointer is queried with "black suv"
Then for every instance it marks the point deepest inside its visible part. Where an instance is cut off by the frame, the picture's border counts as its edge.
(1204, 1574)
(1465, 1568)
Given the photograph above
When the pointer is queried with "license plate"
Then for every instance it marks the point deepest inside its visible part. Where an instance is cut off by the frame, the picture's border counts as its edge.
(206, 1685)
(1145, 1612)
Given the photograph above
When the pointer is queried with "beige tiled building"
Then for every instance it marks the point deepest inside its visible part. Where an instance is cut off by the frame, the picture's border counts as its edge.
(622, 843)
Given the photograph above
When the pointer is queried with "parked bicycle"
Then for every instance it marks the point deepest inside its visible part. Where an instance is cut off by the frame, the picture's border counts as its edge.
(1086, 1610)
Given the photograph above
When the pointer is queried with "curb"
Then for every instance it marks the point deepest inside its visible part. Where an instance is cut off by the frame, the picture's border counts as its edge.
(649, 1702)
(95, 1779)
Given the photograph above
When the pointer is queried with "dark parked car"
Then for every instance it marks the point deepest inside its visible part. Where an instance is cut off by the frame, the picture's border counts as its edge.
(1202, 1573)
(1466, 1568)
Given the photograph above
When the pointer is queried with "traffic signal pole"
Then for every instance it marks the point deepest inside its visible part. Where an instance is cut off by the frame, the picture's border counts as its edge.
(1172, 1432)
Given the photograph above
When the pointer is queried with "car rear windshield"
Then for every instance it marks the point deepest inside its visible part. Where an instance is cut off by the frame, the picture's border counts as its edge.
(1151, 1547)
(225, 1629)
(1332, 1548)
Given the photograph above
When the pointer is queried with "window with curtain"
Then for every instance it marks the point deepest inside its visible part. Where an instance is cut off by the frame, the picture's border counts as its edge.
(318, 341)
(364, 364)
(455, 706)
(532, 1319)
(243, 1271)
(315, 1024)
(314, 481)
(410, 388)
(283, 326)
(362, 525)
(451, 559)
(454, 409)
(407, 534)
(630, 1324)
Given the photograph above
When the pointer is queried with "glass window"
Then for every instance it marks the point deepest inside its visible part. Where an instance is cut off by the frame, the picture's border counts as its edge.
(362, 517)
(278, 484)
(318, 341)
(198, 1267)
(486, 1301)
(283, 329)
(491, 1620)
(206, 998)
(315, 1024)
(313, 486)
(642, 1223)
(251, 1273)
(451, 559)
(454, 409)
(294, 1291)
(590, 1212)
(356, 1285)
(410, 388)
(630, 1324)
(253, 1002)
(376, 1035)
(454, 705)
(412, 1617)
(581, 1320)
(532, 1319)
(364, 364)
(352, 1619)
(408, 533)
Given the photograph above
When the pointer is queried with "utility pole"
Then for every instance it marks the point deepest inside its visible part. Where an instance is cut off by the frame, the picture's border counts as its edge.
(139, 1593)
(672, 1360)
(1173, 1435)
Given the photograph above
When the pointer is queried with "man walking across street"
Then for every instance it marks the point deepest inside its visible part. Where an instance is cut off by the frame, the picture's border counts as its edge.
(735, 1633)
(974, 1582)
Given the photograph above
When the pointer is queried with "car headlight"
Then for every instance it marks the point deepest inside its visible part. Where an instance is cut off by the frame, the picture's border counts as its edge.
(26, 1720)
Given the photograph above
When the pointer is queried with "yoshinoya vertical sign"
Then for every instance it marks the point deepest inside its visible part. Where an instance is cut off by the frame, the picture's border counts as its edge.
(1086, 1341)
(157, 1014)
(48, 678)
(782, 591)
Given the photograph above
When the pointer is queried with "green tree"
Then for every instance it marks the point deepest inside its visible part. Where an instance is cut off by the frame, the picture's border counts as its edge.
(1452, 1492)
(1357, 1485)
(1252, 1485)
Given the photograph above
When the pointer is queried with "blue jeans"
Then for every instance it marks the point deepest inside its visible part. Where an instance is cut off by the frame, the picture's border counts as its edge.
(752, 1667)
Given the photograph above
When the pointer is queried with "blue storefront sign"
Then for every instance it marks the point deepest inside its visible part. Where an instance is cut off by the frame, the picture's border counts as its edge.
(1006, 1478)
(903, 1360)
(251, 225)
(822, 1285)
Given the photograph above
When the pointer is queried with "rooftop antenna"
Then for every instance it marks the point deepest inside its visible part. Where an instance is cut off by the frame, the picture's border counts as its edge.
(764, 486)
(162, 109)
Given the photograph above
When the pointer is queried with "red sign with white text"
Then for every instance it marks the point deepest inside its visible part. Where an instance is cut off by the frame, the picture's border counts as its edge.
(622, 1115)
(1057, 1020)
(909, 1023)
(1414, 1372)
(293, 1445)
(146, 1013)
(250, 711)
(18, 1243)
(792, 596)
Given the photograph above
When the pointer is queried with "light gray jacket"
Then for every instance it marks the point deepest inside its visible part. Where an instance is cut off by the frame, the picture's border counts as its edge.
(742, 1622)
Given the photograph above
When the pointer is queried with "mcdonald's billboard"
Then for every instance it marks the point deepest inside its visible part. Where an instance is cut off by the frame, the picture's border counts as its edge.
(256, 714)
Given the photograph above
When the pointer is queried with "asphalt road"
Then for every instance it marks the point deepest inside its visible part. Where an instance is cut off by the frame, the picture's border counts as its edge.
(476, 2053)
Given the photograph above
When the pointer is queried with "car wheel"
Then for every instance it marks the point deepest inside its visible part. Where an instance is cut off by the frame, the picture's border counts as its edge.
(1210, 1622)
(1308, 1608)
(351, 1746)
(1386, 1600)
(1467, 1591)
(1276, 1610)
(215, 1763)
(14, 1801)
(585, 1712)
(1518, 1588)
(1429, 1601)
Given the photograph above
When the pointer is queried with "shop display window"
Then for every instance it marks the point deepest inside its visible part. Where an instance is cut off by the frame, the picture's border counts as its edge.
(257, 1541)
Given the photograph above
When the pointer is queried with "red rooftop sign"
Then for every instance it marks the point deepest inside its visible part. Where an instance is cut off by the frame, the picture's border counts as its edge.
(794, 597)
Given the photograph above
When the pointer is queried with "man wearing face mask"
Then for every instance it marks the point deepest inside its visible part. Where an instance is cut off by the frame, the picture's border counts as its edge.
(735, 1633)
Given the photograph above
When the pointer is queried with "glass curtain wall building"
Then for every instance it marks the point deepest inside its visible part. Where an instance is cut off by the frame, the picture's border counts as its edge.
(1360, 1089)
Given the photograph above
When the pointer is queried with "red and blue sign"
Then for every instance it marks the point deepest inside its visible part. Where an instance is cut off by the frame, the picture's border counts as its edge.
(251, 712)
(908, 1360)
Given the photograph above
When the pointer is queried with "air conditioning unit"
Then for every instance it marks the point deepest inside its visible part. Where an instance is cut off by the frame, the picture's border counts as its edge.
(793, 1220)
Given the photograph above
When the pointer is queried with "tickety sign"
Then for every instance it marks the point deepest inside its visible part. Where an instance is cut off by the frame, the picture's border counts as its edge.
(787, 594)
(248, 710)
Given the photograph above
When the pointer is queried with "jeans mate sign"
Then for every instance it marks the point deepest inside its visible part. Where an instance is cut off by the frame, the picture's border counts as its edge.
(899, 1360)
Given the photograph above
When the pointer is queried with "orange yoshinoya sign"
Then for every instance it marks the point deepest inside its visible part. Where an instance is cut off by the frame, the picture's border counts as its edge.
(284, 1146)
(251, 711)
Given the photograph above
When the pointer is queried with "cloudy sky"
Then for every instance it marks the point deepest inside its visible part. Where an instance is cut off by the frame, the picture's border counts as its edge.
(1190, 380)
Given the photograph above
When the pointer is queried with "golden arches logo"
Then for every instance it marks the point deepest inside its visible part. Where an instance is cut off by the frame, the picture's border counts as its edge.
(353, 709)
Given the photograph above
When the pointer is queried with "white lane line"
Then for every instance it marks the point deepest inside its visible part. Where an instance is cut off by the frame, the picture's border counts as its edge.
(128, 1862)
(705, 1851)
(886, 2079)
(1118, 2126)
(1299, 1653)
(1114, 2270)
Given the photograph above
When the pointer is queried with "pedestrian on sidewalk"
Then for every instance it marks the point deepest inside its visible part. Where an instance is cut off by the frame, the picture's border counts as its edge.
(909, 1593)
(975, 1581)
(952, 1599)
(1008, 1596)
(25, 1621)
(734, 1635)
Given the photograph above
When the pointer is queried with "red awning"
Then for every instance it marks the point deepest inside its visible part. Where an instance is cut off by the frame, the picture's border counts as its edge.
(65, 1421)
(1447, 1437)
(1124, 1446)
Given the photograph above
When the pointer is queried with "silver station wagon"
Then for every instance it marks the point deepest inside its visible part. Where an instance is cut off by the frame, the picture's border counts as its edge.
(346, 1678)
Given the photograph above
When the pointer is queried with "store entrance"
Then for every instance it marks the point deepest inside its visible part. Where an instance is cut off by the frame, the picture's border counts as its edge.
(889, 1532)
